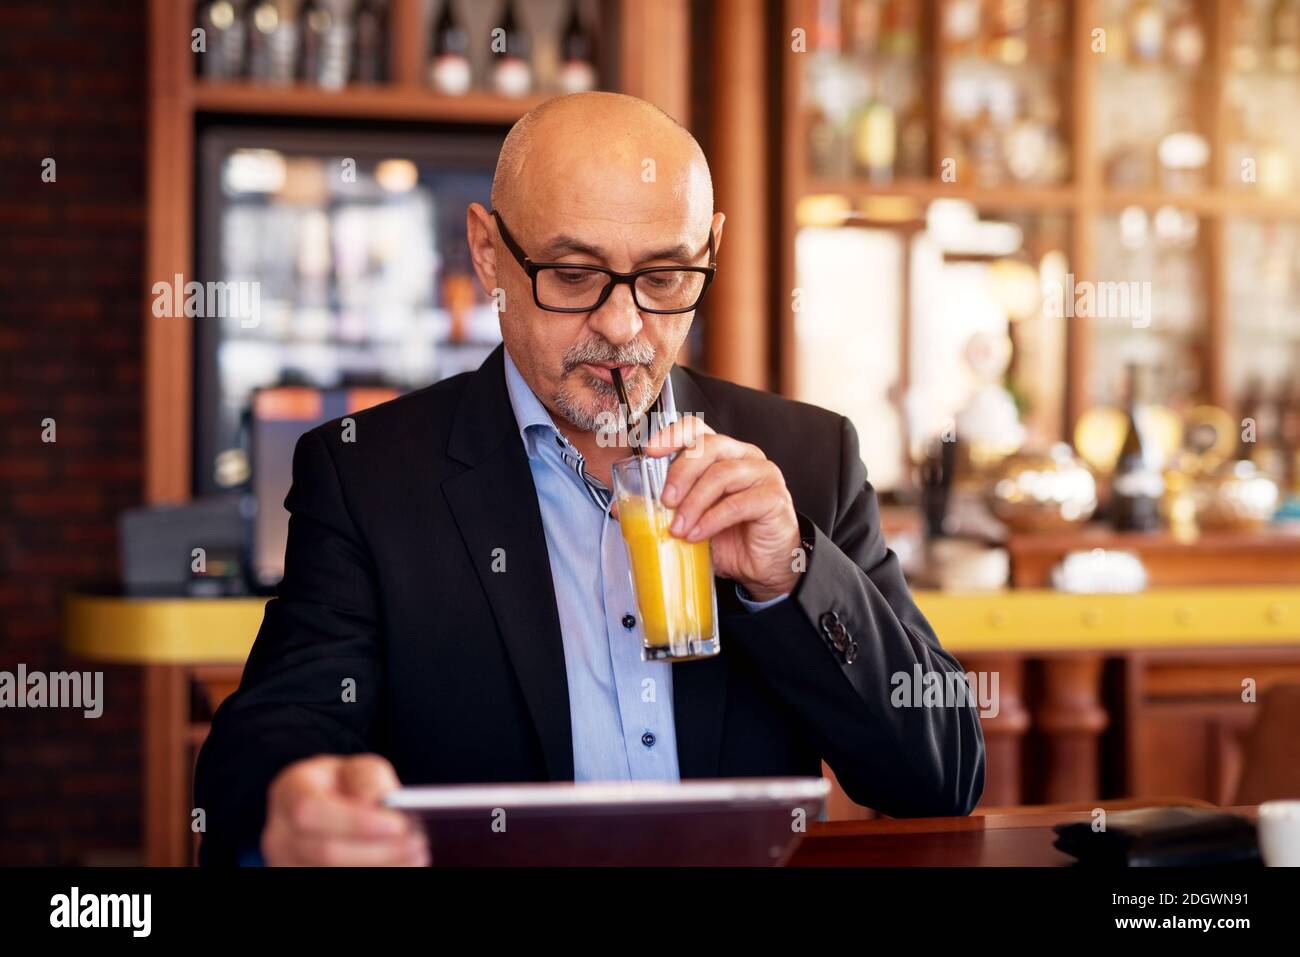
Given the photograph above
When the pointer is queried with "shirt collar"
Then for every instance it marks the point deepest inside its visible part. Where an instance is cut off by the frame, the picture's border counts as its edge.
(534, 420)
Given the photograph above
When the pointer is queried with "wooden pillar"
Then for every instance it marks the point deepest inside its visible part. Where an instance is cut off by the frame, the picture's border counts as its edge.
(167, 348)
(654, 54)
(1004, 733)
(167, 772)
(737, 330)
(1071, 720)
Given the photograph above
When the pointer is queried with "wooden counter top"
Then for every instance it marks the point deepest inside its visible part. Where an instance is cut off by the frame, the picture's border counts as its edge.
(221, 630)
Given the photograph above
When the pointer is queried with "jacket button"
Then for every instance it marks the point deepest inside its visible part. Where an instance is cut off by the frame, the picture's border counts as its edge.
(648, 739)
(629, 621)
(829, 620)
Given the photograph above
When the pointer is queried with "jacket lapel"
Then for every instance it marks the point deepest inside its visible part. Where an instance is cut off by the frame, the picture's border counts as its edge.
(494, 504)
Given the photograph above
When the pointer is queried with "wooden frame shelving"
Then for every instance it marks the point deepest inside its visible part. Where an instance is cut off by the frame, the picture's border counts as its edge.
(1084, 197)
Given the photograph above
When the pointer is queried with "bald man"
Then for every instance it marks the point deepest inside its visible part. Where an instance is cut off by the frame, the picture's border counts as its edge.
(456, 605)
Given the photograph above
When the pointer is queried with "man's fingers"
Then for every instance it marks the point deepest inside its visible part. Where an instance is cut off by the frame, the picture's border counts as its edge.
(721, 478)
(747, 506)
(684, 433)
(368, 776)
(408, 851)
(327, 815)
(687, 469)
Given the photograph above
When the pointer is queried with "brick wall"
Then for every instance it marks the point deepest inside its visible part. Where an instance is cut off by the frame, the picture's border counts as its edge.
(72, 87)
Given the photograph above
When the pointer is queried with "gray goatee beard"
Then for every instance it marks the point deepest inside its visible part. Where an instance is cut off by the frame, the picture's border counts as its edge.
(576, 403)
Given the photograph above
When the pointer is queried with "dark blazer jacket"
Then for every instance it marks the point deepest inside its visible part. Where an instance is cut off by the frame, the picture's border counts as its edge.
(459, 672)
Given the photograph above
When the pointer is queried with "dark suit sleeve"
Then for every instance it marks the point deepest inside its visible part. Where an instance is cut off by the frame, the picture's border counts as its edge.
(902, 761)
(313, 679)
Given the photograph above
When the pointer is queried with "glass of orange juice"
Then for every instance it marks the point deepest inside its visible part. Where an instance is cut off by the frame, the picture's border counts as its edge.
(671, 577)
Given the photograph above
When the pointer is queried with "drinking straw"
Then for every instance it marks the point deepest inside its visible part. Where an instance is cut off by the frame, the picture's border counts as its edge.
(617, 376)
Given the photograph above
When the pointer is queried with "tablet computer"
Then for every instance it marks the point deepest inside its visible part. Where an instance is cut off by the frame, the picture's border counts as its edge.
(712, 822)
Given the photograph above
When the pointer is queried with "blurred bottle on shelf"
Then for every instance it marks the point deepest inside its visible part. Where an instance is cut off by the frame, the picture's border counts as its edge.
(512, 75)
(1138, 484)
(1261, 431)
(864, 25)
(1286, 36)
(370, 43)
(914, 140)
(224, 29)
(827, 95)
(1186, 39)
(1249, 33)
(449, 66)
(901, 28)
(313, 23)
(988, 136)
(875, 139)
(1183, 156)
(963, 28)
(272, 44)
(1047, 31)
(1288, 403)
(578, 72)
(1146, 32)
(1008, 37)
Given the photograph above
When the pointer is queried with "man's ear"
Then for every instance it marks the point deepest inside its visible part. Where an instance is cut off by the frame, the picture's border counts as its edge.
(718, 220)
(481, 236)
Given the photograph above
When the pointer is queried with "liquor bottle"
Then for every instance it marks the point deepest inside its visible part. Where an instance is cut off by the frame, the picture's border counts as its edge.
(875, 139)
(1047, 31)
(1288, 432)
(223, 26)
(827, 34)
(314, 19)
(901, 33)
(1186, 37)
(1009, 31)
(265, 42)
(962, 24)
(914, 140)
(369, 42)
(864, 26)
(1248, 40)
(1147, 31)
(511, 73)
(1261, 431)
(1286, 36)
(1137, 484)
(578, 73)
(332, 40)
(449, 67)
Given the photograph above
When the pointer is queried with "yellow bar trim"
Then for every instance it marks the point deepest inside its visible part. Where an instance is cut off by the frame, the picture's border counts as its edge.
(221, 630)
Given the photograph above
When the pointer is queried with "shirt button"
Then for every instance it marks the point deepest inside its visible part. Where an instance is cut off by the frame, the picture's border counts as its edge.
(629, 621)
(648, 739)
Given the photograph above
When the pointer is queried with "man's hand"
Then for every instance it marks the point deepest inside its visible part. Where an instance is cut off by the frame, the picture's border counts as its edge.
(325, 811)
(728, 491)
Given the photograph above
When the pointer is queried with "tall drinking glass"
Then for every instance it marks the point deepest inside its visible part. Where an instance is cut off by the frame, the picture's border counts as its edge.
(671, 577)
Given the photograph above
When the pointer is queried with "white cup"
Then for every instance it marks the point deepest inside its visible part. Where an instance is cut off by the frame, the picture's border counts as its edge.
(1278, 828)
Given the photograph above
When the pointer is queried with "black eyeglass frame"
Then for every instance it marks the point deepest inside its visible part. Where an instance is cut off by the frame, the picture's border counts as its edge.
(615, 278)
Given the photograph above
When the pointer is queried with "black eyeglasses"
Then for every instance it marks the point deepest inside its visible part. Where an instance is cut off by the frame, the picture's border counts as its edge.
(578, 287)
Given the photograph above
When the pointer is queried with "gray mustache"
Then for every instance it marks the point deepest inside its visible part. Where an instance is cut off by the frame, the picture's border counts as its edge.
(641, 354)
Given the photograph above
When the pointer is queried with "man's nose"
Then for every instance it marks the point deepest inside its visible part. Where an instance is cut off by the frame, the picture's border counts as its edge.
(618, 320)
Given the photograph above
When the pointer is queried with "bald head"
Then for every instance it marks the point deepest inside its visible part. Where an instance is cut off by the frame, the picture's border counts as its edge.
(605, 180)
(606, 141)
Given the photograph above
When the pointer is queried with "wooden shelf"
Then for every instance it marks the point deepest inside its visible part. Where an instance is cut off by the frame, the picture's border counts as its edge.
(1022, 197)
(1065, 197)
(366, 102)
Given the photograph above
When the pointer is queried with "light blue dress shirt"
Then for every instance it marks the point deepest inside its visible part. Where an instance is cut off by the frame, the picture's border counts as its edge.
(620, 707)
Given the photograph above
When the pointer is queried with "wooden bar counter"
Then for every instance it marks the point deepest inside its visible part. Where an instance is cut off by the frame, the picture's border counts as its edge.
(1097, 695)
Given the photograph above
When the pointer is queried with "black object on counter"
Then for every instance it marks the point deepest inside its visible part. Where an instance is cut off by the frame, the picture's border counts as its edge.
(1162, 837)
